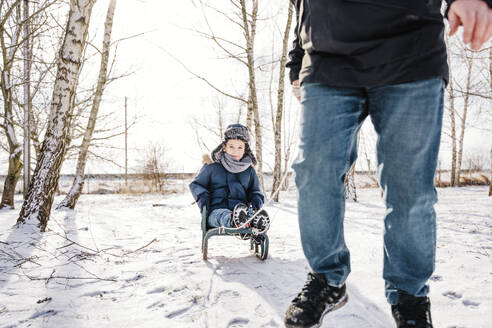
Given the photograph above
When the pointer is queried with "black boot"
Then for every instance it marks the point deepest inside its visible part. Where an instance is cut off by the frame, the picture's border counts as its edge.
(316, 299)
(261, 221)
(412, 312)
(239, 217)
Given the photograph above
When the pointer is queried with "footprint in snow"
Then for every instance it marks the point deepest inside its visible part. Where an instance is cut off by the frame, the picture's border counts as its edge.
(135, 278)
(157, 304)
(452, 295)
(178, 312)
(436, 278)
(238, 322)
(471, 304)
(157, 290)
(48, 313)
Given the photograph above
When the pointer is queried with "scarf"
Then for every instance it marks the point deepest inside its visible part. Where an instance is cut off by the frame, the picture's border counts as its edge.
(232, 165)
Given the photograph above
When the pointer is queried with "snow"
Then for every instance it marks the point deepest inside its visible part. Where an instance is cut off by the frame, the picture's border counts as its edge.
(119, 261)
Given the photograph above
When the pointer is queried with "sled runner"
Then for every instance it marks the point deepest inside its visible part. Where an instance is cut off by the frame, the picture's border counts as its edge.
(260, 250)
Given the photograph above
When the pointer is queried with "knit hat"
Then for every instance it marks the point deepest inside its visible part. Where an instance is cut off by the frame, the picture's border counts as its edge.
(234, 131)
(237, 131)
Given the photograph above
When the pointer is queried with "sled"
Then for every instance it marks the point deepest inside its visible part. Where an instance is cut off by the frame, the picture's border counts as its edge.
(260, 250)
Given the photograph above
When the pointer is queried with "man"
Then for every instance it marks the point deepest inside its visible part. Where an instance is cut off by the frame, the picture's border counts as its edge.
(385, 59)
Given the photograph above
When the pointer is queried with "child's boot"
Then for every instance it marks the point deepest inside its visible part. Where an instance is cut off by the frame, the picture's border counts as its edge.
(261, 221)
(239, 217)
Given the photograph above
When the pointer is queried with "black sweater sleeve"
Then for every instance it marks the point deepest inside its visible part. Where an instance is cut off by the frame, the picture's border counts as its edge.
(296, 54)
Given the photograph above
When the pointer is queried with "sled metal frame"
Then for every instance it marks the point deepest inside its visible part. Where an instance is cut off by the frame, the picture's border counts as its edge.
(260, 250)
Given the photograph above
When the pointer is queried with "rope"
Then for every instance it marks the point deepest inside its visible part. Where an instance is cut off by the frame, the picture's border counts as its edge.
(270, 200)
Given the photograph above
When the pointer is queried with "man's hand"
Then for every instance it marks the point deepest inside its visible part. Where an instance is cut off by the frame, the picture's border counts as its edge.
(296, 89)
(476, 18)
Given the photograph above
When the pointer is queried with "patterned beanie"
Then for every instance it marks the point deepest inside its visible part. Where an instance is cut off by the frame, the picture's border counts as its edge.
(235, 131)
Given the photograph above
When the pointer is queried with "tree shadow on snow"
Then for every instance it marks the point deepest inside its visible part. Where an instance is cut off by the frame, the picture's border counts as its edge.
(28, 259)
(277, 281)
(16, 250)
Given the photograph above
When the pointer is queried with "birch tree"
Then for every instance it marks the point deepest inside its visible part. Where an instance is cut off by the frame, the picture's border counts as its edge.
(469, 65)
(245, 16)
(468, 93)
(490, 182)
(452, 116)
(73, 195)
(37, 205)
(350, 187)
(9, 49)
(38, 28)
(277, 121)
(249, 20)
(490, 84)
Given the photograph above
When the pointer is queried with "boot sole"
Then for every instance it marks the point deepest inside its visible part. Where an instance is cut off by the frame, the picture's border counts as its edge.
(338, 305)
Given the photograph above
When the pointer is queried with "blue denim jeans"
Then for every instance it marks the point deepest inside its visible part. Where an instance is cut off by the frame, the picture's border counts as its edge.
(407, 118)
(220, 217)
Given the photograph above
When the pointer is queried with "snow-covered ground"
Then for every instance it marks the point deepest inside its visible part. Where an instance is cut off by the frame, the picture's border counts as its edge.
(117, 261)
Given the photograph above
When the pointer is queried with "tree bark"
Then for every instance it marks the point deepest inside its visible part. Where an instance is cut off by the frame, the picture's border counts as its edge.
(253, 111)
(463, 119)
(15, 149)
(490, 79)
(40, 196)
(490, 183)
(27, 100)
(73, 195)
(452, 117)
(277, 129)
(350, 187)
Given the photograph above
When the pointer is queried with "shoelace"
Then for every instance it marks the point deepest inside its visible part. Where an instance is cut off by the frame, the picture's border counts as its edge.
(313, 294)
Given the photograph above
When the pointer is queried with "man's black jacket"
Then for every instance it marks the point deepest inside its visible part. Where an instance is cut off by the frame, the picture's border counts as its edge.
(368, 43)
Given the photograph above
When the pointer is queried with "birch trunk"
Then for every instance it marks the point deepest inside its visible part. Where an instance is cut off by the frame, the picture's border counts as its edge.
(490, 77)
(350, 187)
(37, 205)
(490, 66)
(27, 101)
(253, 112)
(463, 119)
(15, 149)
(452, 115)
(277, 170)
(78, 182)
(490, 182)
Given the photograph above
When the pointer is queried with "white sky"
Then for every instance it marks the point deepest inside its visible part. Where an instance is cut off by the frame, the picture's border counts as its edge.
(162, 93)
(169, 97)
(165, 97)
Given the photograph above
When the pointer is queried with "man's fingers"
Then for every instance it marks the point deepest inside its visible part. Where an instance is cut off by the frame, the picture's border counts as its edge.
(488, 30)
(296, 89)
(483, 28)
(479, 30)
(468, 19)
(454, 22)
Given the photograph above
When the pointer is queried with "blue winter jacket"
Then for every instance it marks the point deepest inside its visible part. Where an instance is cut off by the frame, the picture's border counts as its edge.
(215, 187)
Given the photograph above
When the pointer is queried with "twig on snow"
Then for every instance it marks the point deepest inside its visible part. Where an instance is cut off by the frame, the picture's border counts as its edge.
(68, 278)
(153, 240)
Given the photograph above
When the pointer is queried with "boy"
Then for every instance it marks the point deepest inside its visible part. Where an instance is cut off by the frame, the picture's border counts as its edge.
(230, 182)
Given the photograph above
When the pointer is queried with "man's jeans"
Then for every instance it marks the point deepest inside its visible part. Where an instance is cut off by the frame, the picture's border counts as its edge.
(407, 118)
(220, 217)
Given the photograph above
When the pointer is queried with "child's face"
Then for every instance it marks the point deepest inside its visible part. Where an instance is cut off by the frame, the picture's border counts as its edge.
(235, 148)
